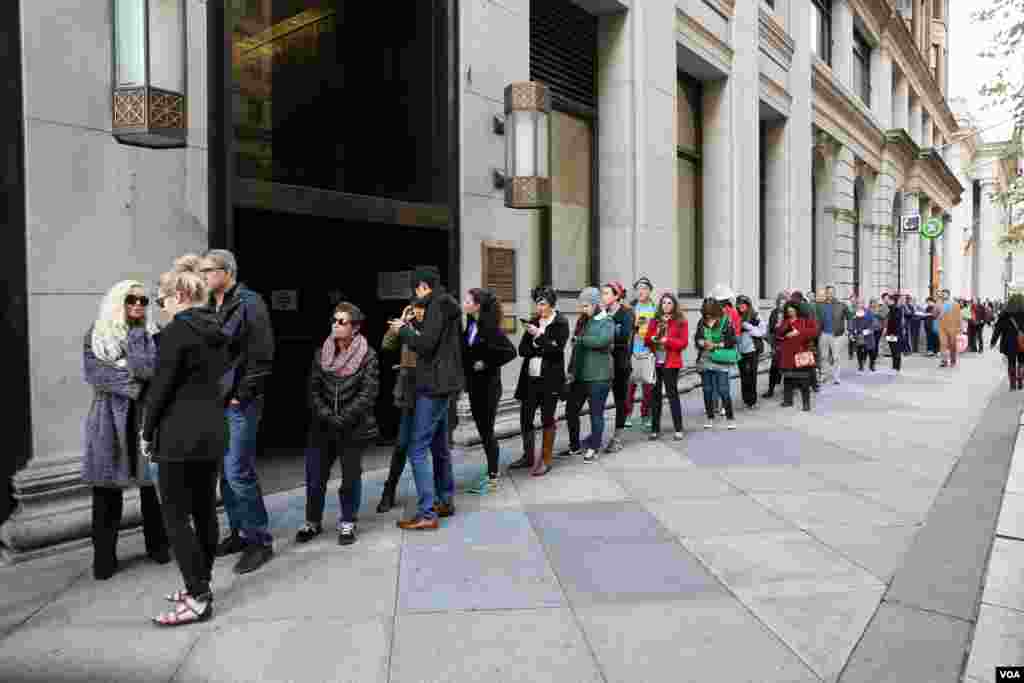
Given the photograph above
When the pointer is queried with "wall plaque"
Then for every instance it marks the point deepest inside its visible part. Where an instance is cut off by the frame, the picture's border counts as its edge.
(499, 275)
(284, 300)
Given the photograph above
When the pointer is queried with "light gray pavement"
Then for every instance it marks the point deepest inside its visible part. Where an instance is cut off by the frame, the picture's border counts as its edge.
(760, 555)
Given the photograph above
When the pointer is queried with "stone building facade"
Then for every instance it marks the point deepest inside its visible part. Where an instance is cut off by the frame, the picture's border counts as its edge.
(762, 144)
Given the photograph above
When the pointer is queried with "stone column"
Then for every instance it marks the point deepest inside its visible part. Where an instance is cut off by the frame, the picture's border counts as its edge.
(989, 274)
(842, 42)
(915, 118)
(840, 242)
(800, 142)
(881, 78)
(901, 102)
(910, 266)
(927, 130)
(881, 230)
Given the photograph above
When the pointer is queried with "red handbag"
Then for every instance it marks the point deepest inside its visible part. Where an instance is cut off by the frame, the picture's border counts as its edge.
(804, 359)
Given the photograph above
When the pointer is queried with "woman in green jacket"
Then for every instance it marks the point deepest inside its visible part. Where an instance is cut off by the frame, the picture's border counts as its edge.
(590, 371)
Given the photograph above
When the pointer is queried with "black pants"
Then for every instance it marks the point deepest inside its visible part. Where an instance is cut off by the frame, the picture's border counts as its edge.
(107, 511)
(669, 377)
(981, 338)
(774, 374)
(484, 395)
(537, 396)
(319, 462)
(897, 355)
(915, 334)
(748, 378)
(1014, 361)
(188, 494)
(863, 353)
(797, 379)
(972, 338)
(620, 386)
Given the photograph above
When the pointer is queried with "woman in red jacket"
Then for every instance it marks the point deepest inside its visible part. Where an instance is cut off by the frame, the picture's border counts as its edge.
(795, 335)
(667, 336)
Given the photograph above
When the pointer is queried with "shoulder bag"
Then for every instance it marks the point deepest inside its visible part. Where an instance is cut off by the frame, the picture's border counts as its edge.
(1020, 337)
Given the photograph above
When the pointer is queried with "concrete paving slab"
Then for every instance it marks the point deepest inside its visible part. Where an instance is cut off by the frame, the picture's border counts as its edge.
(621, 522)
(594, 571)
(929, 647)
(757, 562)
(335, 583)
(914, 502)
(761, 447)
(649, 485)
(998, 641)
(130, 653)
(646, 455)
(530, 646)
(829, 508)
(479, 577)
(868, 475)
(878, 549)
(774, 479)
(26, 592)
(291, 650)
(1011, 516)
(708, 517)
(1004, 583)
(483, 527)
(701, 640)
(821, 627)
(566, 485)
(1015, 482)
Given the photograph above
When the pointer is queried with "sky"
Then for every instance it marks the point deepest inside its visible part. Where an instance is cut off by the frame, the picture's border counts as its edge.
(968, 71)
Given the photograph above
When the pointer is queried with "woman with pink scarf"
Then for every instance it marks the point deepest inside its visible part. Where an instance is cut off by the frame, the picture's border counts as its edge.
(343, 390)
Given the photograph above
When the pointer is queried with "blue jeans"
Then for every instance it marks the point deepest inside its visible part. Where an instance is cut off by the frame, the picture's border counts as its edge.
(431, 432)
(716, 385)
(239, 484)
(319, 461)
(596, 394)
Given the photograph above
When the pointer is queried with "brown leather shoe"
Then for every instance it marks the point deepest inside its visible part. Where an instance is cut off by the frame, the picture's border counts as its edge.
(418, 524)
(444, 509)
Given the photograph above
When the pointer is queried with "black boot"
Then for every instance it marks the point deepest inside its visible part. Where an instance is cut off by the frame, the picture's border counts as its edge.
(107, 508)
(729, 417)
(787, 394)
(387, 498)
(806, 394)
(529, 448)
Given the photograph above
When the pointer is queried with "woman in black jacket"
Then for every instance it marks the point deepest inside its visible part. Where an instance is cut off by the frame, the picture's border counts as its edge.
(186, 435)
(894, 331)
(343, 388)
(1007, 328)
(485, 349)
(542, 375)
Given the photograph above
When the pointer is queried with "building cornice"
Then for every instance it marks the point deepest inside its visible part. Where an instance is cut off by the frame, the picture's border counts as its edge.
(940, 168)
(851, 116)
(774, 36)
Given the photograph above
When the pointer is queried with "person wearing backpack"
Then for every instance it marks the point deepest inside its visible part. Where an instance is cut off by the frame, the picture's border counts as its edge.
(716, 342)
(1009, 334)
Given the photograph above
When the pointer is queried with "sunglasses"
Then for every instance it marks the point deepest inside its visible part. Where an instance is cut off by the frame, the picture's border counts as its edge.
(340, 322)
(206, 271)
(132, 300)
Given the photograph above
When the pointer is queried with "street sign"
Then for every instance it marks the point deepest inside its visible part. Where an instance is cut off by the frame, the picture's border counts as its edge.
(932, 228)
(912, 223)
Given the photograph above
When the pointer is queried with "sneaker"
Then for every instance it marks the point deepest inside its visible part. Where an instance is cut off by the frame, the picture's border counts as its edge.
(253, 557)
(347, 533)
(678, 436)
(709, 424)
(231, 545)
(645, 424)
(722, 411)
(835, 381)
(732, 425)
(418, 523)
(308, 532)
(569, 453)
(444, 509)
(480, 488)
(614, 446)
(629, 423)
(653, 436)
(590, 455)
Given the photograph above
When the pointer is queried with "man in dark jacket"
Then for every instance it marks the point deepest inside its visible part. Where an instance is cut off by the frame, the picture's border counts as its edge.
(439, 378)
(246, 322)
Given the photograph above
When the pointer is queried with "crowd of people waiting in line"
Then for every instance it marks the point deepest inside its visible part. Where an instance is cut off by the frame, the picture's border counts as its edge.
(177, 401)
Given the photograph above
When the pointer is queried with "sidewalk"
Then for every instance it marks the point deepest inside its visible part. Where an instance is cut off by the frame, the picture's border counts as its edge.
(757, 555)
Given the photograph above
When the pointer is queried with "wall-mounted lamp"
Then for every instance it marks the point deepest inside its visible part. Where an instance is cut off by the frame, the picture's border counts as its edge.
(499, 179)
(148, 99)
(527, 163)
(499, 124)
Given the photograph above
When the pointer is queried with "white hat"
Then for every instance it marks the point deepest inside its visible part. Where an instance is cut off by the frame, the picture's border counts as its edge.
(722, 293)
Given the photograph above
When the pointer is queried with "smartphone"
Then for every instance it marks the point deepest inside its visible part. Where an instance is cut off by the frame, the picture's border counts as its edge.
(525, 321)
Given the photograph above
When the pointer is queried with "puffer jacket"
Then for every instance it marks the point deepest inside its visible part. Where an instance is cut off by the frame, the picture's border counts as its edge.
(343, 407)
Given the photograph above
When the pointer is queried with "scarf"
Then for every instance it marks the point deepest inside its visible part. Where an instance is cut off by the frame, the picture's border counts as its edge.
(346, 362)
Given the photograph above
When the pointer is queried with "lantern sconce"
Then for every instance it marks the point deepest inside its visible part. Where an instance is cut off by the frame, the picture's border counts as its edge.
(527, 164)
(148, 99)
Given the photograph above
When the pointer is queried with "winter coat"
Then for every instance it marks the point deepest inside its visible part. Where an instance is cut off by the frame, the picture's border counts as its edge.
(894, 324)
(807, 330)
(677, 338)
(860, 325)
(245, 320)
(728, 342)
(1005, 334)
(622, 351)
(491, 347)
(111, 455)
(590, 353)
(185, 407)
(840, 317)
(438, 347)
(550, 348)
(343, 407)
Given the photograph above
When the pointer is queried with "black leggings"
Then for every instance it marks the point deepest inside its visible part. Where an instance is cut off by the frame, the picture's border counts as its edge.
(748, 378)
(484, 395)
(107, 511)
(620, 387)
(537, 396)
(897, 355)
(669, 377)
(863, 353)
(1015, 361)
(188, 495)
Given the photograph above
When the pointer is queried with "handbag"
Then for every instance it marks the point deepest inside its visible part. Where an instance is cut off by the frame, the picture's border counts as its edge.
(1020, 337)
(643, 368)
(961, 342)
(804, 359)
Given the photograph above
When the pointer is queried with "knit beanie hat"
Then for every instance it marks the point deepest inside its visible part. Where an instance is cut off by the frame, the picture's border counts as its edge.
(643, 282)
(428, 274)
(618, 288)
(590, 295)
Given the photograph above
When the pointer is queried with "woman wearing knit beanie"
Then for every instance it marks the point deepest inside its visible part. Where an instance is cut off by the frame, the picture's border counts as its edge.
(612, 295)
(590, 370)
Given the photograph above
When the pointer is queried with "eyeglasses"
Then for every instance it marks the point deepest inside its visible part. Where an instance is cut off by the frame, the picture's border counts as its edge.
(132, 300)
(340, 322)
(160, 301)
(206, 271)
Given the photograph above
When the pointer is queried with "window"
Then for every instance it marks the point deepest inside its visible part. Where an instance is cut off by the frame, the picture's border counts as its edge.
(821, 30)
(862, 68)
(571, 140)
(936, 58)
(937, 10)
(690, 188)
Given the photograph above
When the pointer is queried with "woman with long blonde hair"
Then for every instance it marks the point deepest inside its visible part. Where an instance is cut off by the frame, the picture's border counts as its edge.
(119, 358)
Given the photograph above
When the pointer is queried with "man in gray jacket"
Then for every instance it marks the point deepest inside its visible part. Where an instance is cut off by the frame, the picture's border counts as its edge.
(832, 316)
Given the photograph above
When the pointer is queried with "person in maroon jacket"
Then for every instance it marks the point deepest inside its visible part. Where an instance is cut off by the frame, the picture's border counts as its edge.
(795, 335)
(667, 336)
